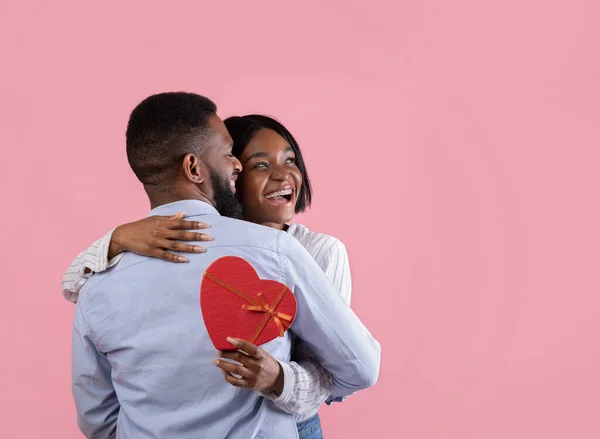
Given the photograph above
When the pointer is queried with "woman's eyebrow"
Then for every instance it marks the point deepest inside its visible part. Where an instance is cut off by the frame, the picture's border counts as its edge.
(264, 154)
(255, 155)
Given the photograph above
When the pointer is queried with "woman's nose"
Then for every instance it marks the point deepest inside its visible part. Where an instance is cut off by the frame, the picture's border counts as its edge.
(280, 174)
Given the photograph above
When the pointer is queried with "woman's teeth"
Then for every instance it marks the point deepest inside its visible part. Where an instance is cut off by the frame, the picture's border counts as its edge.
(279, 193)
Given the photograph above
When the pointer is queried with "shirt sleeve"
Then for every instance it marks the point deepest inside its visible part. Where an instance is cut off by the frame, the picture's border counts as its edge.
(337, 270)
(92, 260)
(329, 328)
(95, 397)
(307, 384)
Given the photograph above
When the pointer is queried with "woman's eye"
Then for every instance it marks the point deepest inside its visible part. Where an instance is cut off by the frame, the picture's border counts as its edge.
(259, 165)
(291, 160)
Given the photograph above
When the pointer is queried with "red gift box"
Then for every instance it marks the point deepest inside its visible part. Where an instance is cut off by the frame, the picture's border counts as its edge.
(236, 303)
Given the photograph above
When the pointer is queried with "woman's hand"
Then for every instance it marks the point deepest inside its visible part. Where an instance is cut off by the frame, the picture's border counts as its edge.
(258, 369)
(156, 235)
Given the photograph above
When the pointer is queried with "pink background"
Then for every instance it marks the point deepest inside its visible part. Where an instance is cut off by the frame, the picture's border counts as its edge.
(453, 146)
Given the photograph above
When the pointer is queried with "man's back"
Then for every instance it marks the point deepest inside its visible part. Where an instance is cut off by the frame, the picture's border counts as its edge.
(142, 355)
(145, 316)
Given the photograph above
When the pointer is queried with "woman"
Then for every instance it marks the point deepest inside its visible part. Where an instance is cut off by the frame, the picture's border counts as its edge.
(272, 187)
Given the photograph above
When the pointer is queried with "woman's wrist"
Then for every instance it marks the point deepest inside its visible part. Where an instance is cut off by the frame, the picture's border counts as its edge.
(277, 388)
(116, 243)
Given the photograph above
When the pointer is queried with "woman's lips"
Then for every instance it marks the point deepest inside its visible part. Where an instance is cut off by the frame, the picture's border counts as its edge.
(280, 201)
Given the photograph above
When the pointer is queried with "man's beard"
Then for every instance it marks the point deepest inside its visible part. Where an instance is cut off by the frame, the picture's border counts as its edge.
(225, 201)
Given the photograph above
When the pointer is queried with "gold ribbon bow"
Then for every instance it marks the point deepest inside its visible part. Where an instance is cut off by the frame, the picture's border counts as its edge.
(280, 319)
(270, 313)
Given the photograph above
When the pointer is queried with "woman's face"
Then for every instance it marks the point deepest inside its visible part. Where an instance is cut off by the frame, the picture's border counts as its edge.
(270, 181)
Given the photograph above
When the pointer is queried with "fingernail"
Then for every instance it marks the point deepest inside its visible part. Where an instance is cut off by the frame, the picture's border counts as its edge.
(206, 237)
(198, 249)
(233, 341)
(181, 259)
(215, 362)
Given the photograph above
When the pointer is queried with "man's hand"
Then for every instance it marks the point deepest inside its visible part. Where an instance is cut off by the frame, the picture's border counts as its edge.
(156, 235)
(257, 368)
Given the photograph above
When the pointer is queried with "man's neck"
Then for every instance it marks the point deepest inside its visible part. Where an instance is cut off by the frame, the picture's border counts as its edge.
(161, 196)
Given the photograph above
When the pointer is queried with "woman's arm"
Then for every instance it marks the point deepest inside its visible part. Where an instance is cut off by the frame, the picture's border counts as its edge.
(92, 260)
(153, 236)
(306, 384)
(336, 266)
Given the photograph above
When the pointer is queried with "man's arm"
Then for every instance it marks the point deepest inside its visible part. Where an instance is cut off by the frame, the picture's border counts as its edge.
(95, 398)
(328, 326)
(307, 384)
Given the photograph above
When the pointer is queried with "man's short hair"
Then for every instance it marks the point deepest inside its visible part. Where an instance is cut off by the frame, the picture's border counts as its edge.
(162, 129)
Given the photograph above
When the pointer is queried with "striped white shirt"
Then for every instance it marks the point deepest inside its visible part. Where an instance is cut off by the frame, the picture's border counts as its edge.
(306, 384)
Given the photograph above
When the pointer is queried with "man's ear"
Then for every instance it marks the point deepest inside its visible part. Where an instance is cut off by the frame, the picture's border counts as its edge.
(194, 169)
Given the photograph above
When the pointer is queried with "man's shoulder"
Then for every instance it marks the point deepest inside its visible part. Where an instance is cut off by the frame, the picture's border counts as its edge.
(242, 225)
(127, 261)
(232, 232)
(231, 237)
(255, 236)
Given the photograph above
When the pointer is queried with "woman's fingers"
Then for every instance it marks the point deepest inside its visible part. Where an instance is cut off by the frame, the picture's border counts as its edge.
(181, 224)
(237, 382)
(257, 368)
(238, 356)
(159, 236)
(176, 222)
(232, 368)
(176, 246)
(170, 257)
(183, 235)
(250, 349)
(176, 216)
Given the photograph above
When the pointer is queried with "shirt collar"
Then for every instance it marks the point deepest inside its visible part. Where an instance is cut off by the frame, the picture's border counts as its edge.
(190, 207)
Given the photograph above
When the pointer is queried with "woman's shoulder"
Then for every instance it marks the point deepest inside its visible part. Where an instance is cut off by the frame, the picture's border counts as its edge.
(319, 245)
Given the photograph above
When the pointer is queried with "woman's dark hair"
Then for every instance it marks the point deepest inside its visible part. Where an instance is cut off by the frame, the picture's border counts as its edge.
(243, 128)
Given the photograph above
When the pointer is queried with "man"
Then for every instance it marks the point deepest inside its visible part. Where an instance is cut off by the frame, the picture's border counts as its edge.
(141, 353)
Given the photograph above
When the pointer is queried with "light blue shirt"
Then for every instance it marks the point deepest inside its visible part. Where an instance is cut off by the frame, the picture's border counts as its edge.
(142, 356)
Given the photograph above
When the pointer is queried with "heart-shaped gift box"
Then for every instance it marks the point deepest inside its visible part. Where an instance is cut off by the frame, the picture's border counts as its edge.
(236, 303)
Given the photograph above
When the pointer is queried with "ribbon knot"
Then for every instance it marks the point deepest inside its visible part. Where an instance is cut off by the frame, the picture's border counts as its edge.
(279, 318)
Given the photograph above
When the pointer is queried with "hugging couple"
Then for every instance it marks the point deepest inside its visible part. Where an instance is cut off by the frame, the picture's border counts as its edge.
(144, 365)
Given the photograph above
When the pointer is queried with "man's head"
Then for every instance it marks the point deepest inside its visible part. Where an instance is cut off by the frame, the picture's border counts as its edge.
(180, 149)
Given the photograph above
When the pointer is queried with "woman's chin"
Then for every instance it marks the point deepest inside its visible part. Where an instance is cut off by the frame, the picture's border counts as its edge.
(271, 216)
(285, 219)
(278, 214)
(277, 222)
